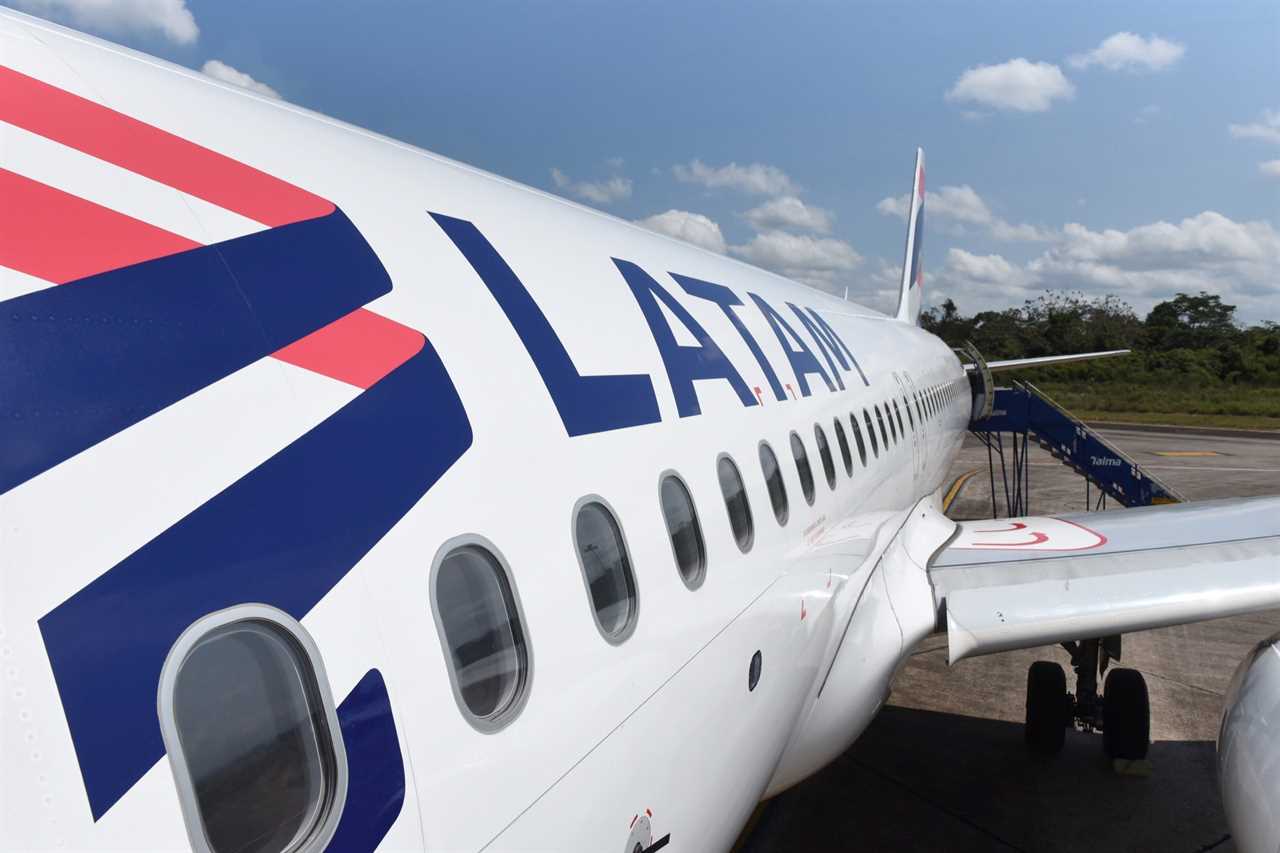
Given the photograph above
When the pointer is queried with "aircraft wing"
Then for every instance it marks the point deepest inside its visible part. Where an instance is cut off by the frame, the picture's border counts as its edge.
(1021, 582)
(1047, 360)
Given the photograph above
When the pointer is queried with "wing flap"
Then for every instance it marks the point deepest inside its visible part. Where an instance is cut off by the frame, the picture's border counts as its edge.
(1018, 583)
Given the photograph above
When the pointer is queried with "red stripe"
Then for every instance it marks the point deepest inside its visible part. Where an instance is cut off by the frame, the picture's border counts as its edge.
(59, 237)
(359, 349)
(139, 147)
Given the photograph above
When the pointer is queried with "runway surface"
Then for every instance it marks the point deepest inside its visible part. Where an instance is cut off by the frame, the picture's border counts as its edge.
(944, 767)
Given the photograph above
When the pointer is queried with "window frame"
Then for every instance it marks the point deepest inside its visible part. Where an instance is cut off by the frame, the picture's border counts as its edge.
(846, 453)
(810, 494)
(871, 432)
(697, 525)
(782, 481)
(857, 437)
(326, 826)
(504, 718)
(622, 634)
(746, 502)
(884, 433)
(825, 456)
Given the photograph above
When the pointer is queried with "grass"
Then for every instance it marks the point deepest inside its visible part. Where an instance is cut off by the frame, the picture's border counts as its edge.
(1238, 407)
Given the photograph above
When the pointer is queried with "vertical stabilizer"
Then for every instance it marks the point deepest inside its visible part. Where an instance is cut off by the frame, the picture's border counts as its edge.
(911, 296)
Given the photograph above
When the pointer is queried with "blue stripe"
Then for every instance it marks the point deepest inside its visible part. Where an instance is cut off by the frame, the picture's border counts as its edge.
(283, 535)
(83, 361)
(375, 770)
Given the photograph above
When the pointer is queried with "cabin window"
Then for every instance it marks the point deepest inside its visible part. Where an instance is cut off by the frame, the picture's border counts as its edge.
(843, 441)
(897, 413)
(481, 629)
(857, 438)
(911, 419)
(884, 434)
(773, 482)
(871, 434)
(824, 453)
(736, 503)
(249, 725)
(606, 568)
(686, 534)
(893, 431)
(802, 468)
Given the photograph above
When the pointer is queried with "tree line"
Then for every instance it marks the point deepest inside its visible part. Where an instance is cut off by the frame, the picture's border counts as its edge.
(1187, 339)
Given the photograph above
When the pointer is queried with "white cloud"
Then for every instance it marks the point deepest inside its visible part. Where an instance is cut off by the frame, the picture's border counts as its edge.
(822, 262)
(600, 192)
(1014, 85)
(1129, 52)
(1270, 168)
(690, 227)
(220, 70)
(789, 212)
(1143, 265)
(1268, 129)
(168, 18)
(756, 178)
(963, 206)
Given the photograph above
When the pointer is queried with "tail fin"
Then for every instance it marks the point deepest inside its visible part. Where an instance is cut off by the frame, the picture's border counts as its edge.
(911, 297)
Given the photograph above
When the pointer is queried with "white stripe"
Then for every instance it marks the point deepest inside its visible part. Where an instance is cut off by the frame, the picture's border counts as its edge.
(14, 284)
(66, 526)
(100, 182)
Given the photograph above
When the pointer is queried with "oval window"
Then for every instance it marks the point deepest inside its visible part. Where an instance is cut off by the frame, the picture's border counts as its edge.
(843, 441)
(897, 413)
(606, 568)
(884, 433)
(735, 501)
(773, 482)
(251, 731)
(686, 534)
(802, 468)
(857, 438)
(871, 433)
(893, 431)
(483, 638)
(824, 453)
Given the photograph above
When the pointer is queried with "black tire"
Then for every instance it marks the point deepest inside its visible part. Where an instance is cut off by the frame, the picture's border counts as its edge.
(1126, 715)
(1047, 708)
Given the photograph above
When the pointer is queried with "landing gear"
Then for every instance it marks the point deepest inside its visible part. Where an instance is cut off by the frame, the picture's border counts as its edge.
(1122, 713)
(1048, 707)
(1126, 715)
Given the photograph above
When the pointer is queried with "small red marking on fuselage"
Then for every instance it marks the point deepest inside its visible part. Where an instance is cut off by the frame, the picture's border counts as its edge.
(792, 390)
(803, 611)
(759, 395)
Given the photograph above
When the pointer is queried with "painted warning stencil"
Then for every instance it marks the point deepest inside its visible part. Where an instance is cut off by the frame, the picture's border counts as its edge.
(1032, 533)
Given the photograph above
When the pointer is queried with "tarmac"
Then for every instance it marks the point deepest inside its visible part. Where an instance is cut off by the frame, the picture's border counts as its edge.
(944, 766)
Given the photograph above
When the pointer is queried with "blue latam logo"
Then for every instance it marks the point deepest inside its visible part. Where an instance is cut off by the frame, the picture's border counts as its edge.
(591, 404)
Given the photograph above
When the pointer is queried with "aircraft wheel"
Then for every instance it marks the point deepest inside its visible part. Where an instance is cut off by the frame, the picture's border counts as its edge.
(1048, 708)
(1126, 715)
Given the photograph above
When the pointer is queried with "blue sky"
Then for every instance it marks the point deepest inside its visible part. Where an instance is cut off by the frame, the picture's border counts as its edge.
(1116, 148)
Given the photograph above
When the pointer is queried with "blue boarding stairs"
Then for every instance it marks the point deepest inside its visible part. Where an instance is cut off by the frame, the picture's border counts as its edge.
(1026, 413)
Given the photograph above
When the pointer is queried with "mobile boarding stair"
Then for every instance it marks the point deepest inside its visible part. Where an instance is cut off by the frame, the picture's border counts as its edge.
(1026, 413)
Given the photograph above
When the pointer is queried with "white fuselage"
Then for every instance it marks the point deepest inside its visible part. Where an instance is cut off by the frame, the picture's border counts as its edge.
(662, 721)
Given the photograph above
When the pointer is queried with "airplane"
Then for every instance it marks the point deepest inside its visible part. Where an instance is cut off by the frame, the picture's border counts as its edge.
(352, 498)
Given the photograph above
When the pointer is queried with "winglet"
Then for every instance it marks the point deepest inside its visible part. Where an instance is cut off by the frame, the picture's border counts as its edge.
(911, 296)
